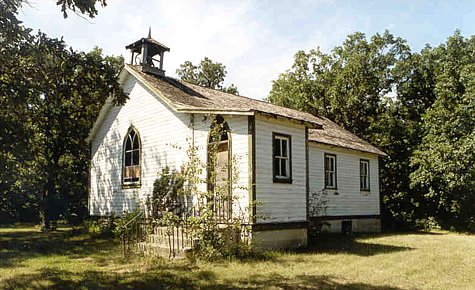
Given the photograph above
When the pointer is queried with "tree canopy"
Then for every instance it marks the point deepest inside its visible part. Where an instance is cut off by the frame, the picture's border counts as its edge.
(417, 107)
(208, 74)
(50, 96)
(445, 160)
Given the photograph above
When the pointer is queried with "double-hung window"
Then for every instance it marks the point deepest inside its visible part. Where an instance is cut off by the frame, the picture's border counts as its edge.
(282, 158)
(364, 174)
(330, 171)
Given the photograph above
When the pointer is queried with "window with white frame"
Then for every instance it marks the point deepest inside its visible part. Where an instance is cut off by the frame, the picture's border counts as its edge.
(330, 171)
(131, 163)
(364, 174)
(282, 158)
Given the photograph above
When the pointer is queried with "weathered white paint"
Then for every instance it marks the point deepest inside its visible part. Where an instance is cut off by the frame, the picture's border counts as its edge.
(347, 199)
(281, 202)
(166, 136)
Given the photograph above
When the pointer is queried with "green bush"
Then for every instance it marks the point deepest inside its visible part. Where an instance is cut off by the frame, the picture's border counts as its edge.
(102, 227)
(427, 224)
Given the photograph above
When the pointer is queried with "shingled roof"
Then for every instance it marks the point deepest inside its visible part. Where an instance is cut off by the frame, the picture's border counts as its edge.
(335, 135)
(186, 97)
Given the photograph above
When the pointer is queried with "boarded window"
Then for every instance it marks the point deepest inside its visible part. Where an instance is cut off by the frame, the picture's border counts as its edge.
(330, 171)
(282, 158)
(364, 174)
(131, 169)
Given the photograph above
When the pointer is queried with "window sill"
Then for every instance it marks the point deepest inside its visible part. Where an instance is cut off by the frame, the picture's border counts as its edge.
(282, 180)
(365, 191)
(131, 185)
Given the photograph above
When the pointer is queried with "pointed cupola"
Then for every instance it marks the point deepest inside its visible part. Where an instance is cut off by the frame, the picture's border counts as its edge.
(148, 53)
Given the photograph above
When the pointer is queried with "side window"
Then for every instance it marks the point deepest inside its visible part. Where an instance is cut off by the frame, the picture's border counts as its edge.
(282, 163)
(364, 174)
(131, 161)
(330, 171)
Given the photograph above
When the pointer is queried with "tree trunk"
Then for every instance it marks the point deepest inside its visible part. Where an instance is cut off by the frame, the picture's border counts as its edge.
(44, 209)
(48, 194)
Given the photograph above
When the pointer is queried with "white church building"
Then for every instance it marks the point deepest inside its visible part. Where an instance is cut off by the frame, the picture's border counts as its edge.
(285, 157)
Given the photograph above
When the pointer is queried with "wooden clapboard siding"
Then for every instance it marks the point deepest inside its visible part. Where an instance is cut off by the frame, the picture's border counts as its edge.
(165, 137)
(281, 202)
(238, 126)
(350, 200)
(240, 149)
(159, 130)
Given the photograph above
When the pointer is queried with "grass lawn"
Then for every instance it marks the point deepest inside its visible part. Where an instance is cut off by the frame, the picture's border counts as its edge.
(67, 260)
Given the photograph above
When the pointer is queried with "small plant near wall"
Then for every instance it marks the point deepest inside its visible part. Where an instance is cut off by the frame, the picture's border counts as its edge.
(317, 206)
(199, 201)
(168, 194)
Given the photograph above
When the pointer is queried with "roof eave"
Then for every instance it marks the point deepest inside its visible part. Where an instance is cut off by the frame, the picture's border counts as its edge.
(309, 124)
(214, 111)
(104, 110)
(375, 152)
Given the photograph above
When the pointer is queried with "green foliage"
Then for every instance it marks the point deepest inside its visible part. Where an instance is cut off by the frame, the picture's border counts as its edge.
(417, 107)
(346, 85)
(123, 224)
(103, 227)
(87, 7)
(50, 96)
(208, 74)
(167, 195)
(427, 224)
(216, 233)
(445, 160)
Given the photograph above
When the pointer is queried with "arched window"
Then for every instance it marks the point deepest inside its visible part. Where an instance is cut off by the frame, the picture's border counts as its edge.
(219, 167)
(132, 154)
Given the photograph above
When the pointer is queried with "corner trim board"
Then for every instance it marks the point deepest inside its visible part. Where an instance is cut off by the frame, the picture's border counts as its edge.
(252, 163)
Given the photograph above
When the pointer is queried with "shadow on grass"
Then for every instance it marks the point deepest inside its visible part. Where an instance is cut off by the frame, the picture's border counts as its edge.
(53, 278)
(339, 243)
(21, 243)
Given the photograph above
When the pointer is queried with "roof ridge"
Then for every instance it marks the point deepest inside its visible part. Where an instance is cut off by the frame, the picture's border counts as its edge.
(245, 97)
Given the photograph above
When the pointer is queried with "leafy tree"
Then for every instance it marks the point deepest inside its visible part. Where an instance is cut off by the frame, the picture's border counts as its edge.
(49, 97)
(85, 7)
(346, 85)
(208, 74)
(13, 130)
(400, 132)
(445, 160)
(377, 89)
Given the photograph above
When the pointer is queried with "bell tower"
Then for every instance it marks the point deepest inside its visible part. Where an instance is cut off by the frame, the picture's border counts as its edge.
(148, 53)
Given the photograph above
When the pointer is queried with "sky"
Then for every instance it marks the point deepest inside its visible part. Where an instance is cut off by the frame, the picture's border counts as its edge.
(255, 39)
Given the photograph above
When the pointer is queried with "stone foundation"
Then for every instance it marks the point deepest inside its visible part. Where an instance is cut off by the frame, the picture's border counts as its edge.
(357, 225)
(280, 239)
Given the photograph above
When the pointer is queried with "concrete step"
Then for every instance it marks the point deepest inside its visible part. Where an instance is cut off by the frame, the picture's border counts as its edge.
(152, 249)
(166, 240)
(165, 231)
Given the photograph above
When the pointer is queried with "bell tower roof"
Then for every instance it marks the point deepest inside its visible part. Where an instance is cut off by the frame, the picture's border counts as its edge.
(146, 49)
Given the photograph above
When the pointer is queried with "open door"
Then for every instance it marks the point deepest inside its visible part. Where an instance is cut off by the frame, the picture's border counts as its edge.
(219, 168)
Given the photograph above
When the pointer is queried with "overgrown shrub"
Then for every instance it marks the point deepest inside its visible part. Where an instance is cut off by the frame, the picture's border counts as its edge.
(167, 195)
(215, 220)
(101, 227)
(427, 224)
